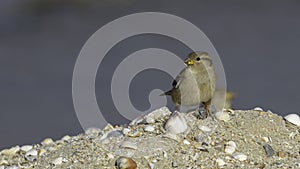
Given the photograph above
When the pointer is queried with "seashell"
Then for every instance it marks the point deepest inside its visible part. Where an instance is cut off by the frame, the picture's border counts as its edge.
(10, 152)
(26, 148)
(176, 124)
(157, 114)
(151, 165)
(149, 128)
(47, 141)
(220, 162)
(66, 138)
(3, 162)
(125, 163)
(31, 155)
(205, 128)
(59, 161)
(269, 150)
(41, 152)
(223, 116)
(126, 131)
(293, 118)
(230, 147)
(129, 144)
(258, 109)
(240, 156)
(12, 167)
(186, 142)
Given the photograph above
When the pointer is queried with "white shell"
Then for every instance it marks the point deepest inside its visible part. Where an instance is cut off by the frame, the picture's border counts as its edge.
(222, 115)
(47, 141)
(293, 118)
(129, 144)
(220, 162)
(240, 156)
(149, 128)
(10, 152)
(176, 124)
(205, 128)
(230, 147)
(186, 142)
(31, 155)
(57, 161)
(258, 109)
(26, 148)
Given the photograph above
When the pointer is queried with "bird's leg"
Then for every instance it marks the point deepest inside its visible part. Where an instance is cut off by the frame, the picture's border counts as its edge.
(177, 107)
(202, 112)
(207, 105)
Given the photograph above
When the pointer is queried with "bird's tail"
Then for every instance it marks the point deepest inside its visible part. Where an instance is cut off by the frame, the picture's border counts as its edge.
(166, 93)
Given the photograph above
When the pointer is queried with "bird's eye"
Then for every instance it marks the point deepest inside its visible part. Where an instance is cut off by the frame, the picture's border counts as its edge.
(198, 59)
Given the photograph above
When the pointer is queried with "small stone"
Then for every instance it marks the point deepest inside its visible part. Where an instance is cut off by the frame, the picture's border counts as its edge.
(222, 115)
(186, 142)
(240, 156)
(151, 165)
(57, 161)
(205, 129)
(269, 150)
(12, 167)
(126, 131)
(281, 154)
(230, 147)
(293, 118)
(149, 128)
(31, 155)
(129, 144)
(47, 141)
(66, 138)
(1, 167)
(220, 162)
(176, 123)
(258, 109)
(125, 163)
(267, 139)
(174, 164)
(26, 148)
(10, 152)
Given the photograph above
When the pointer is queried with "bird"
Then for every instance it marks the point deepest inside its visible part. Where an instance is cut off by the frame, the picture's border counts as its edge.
(125, 163)
(196, 83)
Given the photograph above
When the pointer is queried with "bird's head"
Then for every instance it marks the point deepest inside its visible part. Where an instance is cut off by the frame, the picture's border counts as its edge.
(198, 58)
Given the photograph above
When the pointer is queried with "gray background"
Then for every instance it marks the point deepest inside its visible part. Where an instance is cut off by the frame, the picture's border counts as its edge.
(258, 43)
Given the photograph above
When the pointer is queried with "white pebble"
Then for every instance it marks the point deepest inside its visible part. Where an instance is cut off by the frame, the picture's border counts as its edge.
(222, 115)
(57, 161)
(293, 118)
(31, 155)
(240, 156)
(26, 148)
(258, 109)
(176, 124)
(12, 167)
(220, 162)
(151, 165)
(230, 147)
(205, 128)
(47, 141)
(126, 131)
(186, 142)
(10, 152)
(149, 128)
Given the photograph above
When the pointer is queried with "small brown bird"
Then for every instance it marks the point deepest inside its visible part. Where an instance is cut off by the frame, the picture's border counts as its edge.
(125, 163)
(196, 83)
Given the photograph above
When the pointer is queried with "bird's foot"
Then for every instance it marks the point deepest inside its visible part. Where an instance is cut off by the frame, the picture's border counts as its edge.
(202, 113)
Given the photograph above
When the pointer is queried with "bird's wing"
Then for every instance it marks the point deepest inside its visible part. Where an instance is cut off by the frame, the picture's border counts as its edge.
(178, 79)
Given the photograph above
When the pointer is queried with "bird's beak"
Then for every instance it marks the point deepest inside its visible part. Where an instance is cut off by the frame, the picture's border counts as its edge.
(189, 62)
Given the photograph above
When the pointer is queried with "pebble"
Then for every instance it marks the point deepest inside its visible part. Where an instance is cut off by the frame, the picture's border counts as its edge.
(149, 128)
(66, 138)
(230, 147)
(223, 116)
(174, 164)
(239, 156)
(176, 123)
(293, 118)
(58, 161)
(10, 152)
(126, 131)
(31, 155)
(151, 165)
(205, 128)
(26, 148)
(186, 142)
(258, 109)
(47, 141)
(220, 162)
(125, 163)
(129, 144)
(269, 150)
